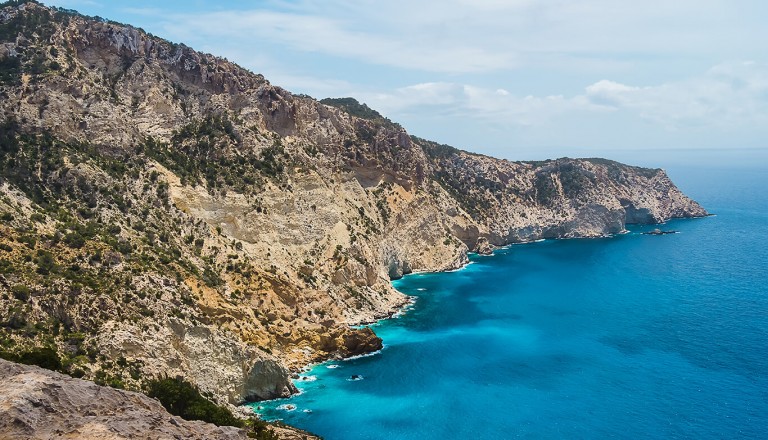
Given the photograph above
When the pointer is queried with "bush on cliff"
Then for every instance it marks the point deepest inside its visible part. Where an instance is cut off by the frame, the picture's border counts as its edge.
(44, 357)
(182, 399)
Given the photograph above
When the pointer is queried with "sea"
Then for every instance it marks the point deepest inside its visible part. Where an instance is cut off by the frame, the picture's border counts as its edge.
(633, 336)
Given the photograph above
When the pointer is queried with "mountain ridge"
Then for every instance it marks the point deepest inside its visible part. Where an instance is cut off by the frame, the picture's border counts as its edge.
(168, 212)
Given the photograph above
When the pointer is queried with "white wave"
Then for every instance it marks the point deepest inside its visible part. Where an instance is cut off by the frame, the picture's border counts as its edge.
(308, 378)
(538, 240)
(287, 407)
(460, 268)
(332, 366)
(355, 378)
(365, 355)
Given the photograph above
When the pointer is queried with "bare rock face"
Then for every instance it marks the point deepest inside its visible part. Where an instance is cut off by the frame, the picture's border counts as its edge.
(40, 404)
(266, 379)
(217, 362)
(362, 342)
(168, 212)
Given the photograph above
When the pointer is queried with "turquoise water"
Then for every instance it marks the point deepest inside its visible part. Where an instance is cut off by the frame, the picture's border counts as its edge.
(634, 336)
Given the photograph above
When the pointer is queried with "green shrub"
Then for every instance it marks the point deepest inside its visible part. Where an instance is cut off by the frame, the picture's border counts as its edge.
(353, 107)
(46, 263)
(211, 278)
(259, 430)
(74, 240)
(44, 357)
(183, 399)
(10, 70)
(21, 292)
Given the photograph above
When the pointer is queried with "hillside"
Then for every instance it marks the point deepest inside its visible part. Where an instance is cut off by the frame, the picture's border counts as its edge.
(166, 212)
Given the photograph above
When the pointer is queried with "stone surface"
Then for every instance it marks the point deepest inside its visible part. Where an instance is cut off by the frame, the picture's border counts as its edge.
(40, 404)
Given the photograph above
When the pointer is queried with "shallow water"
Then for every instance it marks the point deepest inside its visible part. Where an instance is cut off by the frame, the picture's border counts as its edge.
(634, 336)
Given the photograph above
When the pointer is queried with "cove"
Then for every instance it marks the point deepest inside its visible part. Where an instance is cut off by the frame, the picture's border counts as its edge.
(634, 336)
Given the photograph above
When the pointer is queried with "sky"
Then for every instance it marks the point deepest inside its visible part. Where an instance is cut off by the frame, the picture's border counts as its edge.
(518, 79)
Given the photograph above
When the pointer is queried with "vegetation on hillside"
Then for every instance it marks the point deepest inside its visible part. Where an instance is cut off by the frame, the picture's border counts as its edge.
(206, 151)
(100, 223)
(183, 399)
(98, 233)
(32, 55)
(354, 108)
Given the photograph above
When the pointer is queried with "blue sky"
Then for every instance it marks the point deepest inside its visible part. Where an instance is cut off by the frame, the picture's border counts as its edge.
(520, 79)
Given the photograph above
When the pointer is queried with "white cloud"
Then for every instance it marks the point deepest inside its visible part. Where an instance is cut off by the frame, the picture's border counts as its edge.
(332, 36)
(458, 36)
(726, 97)
(496, 106)
(325, 87)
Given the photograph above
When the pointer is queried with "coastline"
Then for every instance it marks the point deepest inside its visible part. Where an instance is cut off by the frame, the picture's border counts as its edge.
(403, 307)
(401, 310)
(310, 373)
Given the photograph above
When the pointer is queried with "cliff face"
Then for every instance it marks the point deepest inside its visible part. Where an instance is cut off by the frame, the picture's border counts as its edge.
(167, 212)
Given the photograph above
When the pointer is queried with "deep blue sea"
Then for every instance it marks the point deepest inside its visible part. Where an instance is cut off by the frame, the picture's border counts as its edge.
(634, 336)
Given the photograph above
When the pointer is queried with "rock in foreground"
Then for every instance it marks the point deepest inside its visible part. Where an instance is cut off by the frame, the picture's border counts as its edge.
(40, 404)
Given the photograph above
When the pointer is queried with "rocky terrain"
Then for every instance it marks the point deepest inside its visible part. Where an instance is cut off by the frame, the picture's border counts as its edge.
(166, 212)
(40, 404)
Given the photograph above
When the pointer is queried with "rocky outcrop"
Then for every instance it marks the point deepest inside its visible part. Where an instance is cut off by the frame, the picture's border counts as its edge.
(362, 342)
(168, 212)
(205, 355)
(40, 404)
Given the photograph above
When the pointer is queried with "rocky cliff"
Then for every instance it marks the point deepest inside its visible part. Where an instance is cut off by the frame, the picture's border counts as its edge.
(168, 212)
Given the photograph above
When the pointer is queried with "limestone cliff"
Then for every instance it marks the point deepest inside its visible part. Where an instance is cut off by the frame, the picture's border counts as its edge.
(168, 212)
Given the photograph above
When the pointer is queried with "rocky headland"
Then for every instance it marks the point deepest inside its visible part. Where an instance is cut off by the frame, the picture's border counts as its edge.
(168, 213)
